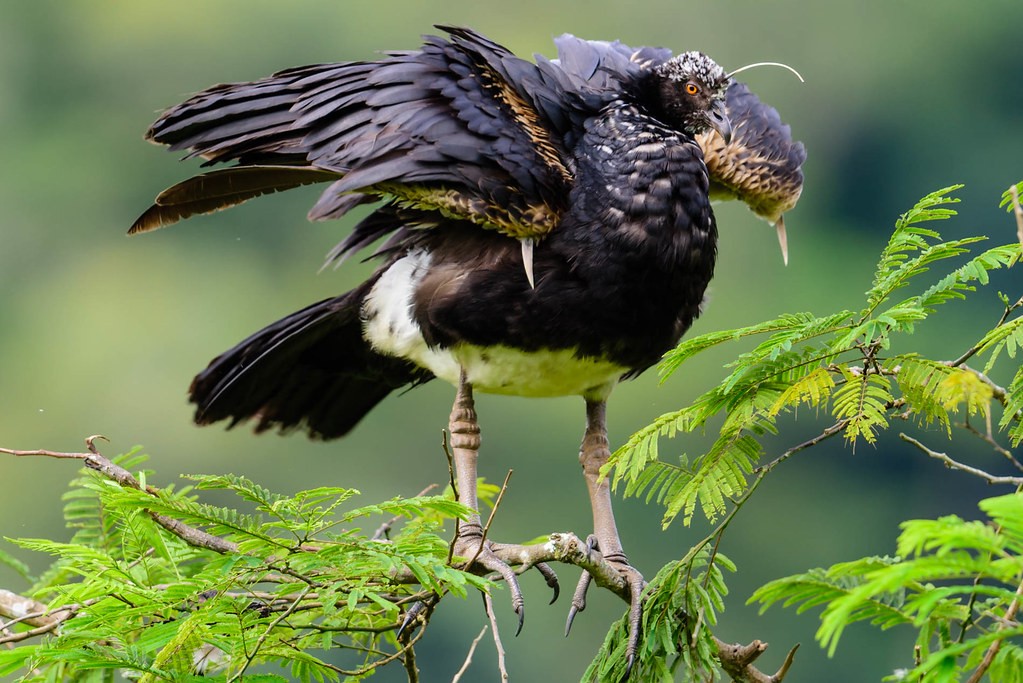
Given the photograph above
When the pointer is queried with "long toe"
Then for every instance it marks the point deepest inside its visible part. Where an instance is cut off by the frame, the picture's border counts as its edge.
(578, 600)
(579, 596)
(483, 560)
(636, 585)
(551, 578)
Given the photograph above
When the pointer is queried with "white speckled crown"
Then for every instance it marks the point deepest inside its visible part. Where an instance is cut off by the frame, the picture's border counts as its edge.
(698, 67)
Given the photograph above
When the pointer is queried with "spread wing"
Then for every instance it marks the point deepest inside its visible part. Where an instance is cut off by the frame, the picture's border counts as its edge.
(461, 128)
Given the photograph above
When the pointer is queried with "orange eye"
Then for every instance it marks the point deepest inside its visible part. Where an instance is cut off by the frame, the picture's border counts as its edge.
(692, 88)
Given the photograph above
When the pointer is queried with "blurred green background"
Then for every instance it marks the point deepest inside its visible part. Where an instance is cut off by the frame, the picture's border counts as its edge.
(101, 334)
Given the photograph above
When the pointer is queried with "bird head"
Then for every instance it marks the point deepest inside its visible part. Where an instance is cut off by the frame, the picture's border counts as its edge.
(691, 93)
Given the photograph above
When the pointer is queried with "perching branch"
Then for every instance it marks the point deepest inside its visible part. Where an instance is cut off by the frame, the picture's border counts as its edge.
(737, 661)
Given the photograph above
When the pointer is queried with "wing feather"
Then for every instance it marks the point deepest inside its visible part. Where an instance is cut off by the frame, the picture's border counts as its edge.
(222, 189)
(461, 126)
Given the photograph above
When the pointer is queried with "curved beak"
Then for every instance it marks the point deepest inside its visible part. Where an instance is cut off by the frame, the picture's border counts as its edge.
(719, 121)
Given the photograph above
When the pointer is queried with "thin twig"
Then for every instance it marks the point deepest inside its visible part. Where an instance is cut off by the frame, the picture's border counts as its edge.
(998, 448)
(266, 634)
(956, 465)
(468, 656)
(454, 490)
(385, 528)
(31, 633)
(972, 351)
(826, 434)
(409, 661)
(94, 460)
(20, 609)
(1016, 209)
(501, 667)
(992, 650)
(490, 518)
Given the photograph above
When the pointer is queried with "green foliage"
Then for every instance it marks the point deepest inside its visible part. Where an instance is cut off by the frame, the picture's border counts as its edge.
(304, 579)
(681, 605)
(953, 581)
(292, 577)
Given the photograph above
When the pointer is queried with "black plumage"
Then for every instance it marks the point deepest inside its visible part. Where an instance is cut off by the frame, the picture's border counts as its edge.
(548, 231)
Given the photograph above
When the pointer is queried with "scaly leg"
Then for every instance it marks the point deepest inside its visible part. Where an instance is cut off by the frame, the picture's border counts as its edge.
(593, 454)
(469, 542)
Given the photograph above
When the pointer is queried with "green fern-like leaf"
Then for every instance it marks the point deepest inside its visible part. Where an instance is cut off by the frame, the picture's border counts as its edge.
(786, 331)
(1007, 202)
(1012, 417)
(895, 268)
(956, 284)
(719, 476)
(862, 403)
(826, 586)
(1007, 512)
(679, 606)
(951, 574)
(629, 461)
(244, 488)
(920, 381)
(176, 656)
(1007, 337)
(813, 388)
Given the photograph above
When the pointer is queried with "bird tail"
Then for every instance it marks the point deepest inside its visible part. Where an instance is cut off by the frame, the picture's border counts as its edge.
(311, 370)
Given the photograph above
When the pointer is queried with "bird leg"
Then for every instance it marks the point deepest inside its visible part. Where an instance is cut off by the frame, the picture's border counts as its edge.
(593, 454)
(481, 555)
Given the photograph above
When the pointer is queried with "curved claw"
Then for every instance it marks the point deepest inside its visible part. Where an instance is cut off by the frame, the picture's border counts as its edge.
(484, 560)
(578, 600)
(411, 617)
(551, 578)
(489, 561)
(636, 585)
(628, 666)
(579, 596)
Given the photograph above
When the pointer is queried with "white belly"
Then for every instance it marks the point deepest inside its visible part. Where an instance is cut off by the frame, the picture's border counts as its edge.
(392, 330)
(502, 370)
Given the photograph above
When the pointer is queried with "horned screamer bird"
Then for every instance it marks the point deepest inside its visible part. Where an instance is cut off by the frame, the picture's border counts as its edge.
(549, 232)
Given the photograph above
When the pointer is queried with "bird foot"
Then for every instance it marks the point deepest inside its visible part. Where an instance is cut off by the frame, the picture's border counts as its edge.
(635, 584)
(484, 557)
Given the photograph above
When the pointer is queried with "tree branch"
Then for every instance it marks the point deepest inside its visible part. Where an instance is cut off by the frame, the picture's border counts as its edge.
(468, 656)
(502, 669)
(736, 660)
(94, 460)
(956, 465)
(1010, 614)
